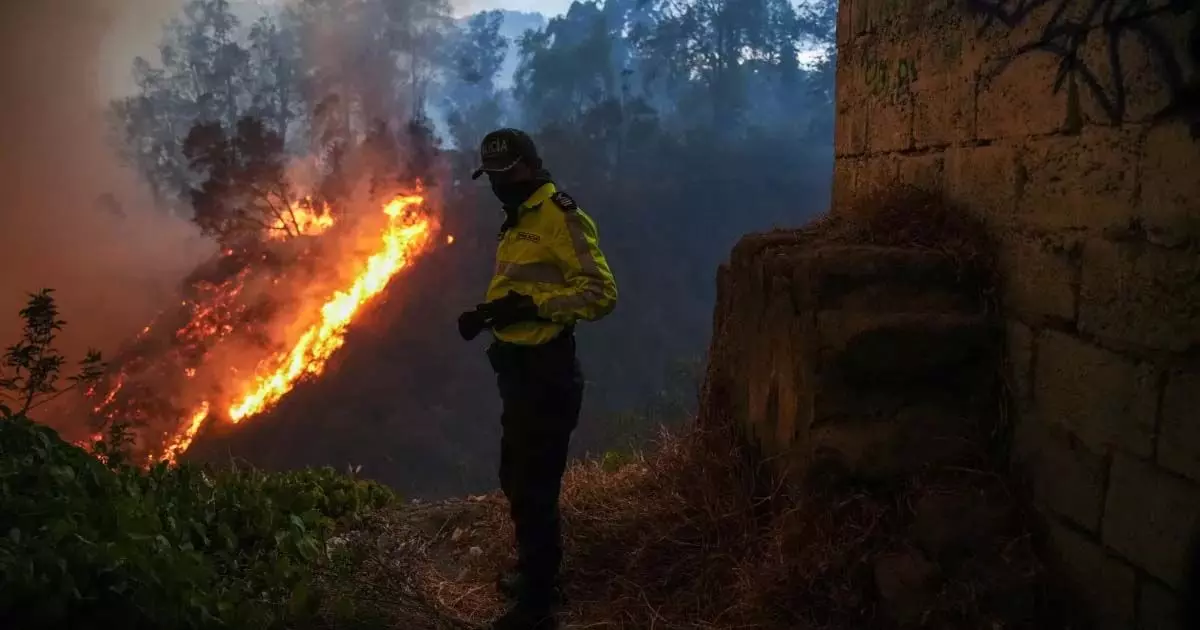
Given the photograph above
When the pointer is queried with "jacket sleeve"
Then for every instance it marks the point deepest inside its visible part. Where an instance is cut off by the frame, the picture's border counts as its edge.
(590, 292)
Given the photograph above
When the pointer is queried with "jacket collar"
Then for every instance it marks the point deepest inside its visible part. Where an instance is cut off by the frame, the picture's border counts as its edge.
(512, 215)
(539, 196)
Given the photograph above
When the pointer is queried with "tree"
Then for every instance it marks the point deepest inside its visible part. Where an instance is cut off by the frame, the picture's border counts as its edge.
(321, 74)
(245, 196)
(473, 58)
(202, 76)
(275, 92)
(417, 30)
(569, 67)
(32, 366)
(477, 52)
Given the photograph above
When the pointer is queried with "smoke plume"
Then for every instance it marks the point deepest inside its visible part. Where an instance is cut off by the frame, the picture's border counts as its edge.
(72, 218)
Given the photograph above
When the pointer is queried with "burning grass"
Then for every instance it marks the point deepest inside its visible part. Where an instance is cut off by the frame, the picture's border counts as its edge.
(256, 322)
(686, 537)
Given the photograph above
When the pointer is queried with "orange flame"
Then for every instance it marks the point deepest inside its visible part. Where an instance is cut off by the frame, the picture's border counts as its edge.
(302, 218)
(407, 235)
(183, 439)
(320, 341)
(111, 395)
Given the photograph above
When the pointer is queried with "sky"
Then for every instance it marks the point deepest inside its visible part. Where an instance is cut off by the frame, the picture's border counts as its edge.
(134, 31)
(137, 29)
(548, 8)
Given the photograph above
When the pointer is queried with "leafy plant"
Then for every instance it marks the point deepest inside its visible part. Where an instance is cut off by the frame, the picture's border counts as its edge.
(32, 366)
(88, 540)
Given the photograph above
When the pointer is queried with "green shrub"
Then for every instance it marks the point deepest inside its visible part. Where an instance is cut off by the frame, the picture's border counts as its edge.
(30, 369)
(85, 545)
(89, 541)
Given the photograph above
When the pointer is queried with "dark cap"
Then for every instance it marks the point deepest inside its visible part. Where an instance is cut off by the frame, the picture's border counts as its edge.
(502, 149)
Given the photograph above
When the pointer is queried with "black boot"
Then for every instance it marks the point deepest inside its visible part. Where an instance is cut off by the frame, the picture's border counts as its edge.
(510, 584)
(514, 586)
(527, 614)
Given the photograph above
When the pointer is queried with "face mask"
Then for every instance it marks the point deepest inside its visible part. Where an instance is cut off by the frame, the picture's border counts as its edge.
(514, 193)
(511, 193)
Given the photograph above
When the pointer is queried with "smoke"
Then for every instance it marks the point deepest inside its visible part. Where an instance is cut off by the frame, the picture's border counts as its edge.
(72, 218)
(545, 7)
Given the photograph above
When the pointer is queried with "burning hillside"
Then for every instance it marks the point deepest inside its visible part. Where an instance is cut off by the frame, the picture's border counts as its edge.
(256, 321)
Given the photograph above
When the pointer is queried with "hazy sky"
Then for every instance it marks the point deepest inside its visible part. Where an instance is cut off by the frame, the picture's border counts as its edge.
(133, 31)
(136, 31)
(546, 7)
(111, 275)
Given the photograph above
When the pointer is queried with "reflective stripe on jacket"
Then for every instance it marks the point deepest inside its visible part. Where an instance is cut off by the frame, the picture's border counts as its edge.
(552, 254)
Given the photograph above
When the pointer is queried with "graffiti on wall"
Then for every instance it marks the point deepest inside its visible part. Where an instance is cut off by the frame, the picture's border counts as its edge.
(1070, 25)
(890, 80)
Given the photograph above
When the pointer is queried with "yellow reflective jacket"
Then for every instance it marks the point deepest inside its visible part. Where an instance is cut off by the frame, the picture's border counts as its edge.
(552, 254)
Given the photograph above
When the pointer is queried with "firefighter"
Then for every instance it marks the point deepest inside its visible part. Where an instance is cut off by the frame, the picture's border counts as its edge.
(550, 274)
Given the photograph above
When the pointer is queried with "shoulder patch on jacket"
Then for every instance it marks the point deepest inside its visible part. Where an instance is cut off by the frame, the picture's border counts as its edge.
(564, 201)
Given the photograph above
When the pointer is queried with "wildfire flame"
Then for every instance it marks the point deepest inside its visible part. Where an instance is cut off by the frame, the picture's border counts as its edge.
(303, 218)
(183, 439)
(322, 339)
(406, 235)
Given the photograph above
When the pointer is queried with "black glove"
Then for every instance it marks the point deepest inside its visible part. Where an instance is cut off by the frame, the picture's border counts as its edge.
(506, 311)
(510, 309)
(471, 323)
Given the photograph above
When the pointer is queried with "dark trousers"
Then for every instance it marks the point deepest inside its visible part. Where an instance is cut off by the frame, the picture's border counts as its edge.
(542, 389)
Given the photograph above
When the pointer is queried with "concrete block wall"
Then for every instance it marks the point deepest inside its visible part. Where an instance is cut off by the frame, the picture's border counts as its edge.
(1072, 128)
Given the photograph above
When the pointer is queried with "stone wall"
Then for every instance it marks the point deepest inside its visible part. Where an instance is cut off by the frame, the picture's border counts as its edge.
(1072, 128)
(839, 356)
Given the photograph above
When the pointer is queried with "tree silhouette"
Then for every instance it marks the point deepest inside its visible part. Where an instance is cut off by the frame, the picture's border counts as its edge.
(33, 366)
(245, 196)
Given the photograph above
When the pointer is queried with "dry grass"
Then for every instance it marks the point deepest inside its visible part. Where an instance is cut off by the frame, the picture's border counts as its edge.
(686, 537)
(912, 218)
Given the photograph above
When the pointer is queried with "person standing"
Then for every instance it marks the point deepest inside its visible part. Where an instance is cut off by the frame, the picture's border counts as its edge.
(550, 274)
